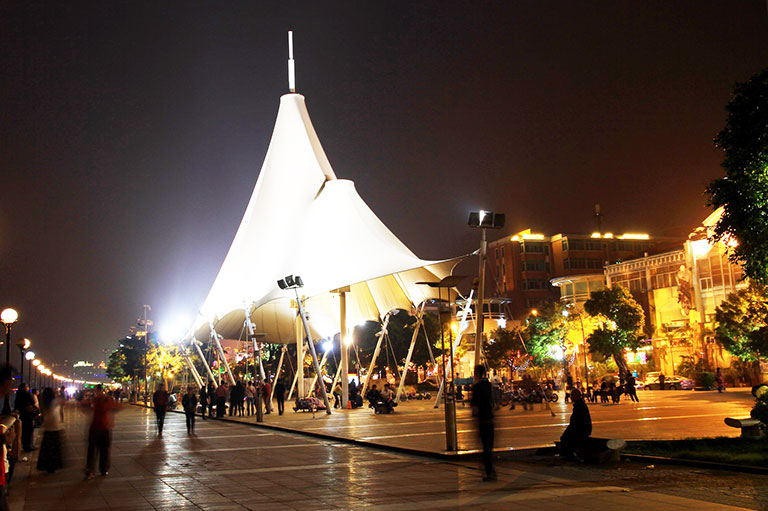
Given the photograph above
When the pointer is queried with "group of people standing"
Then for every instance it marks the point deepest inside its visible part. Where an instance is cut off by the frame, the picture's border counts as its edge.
(607, 391)
(242, 399)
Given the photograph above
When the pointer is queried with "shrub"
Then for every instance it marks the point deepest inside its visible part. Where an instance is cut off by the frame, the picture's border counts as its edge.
(705, 379)
(760, 411)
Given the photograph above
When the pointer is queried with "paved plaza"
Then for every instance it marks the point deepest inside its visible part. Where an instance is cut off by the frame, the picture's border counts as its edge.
(418, 425)
(231, 466)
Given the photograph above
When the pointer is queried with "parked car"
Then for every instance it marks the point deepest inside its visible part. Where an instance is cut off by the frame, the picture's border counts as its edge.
(670, 382)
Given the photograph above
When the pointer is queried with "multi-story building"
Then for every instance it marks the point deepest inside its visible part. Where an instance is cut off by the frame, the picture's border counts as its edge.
(679, 291)
(522, 266)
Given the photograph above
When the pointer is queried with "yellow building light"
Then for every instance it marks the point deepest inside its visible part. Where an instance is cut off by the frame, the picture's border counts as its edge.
(533, 236)
(608, 235)
(634, 237)
(595, 234)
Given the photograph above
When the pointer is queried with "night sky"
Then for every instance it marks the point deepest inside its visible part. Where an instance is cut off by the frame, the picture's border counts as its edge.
(132, 133)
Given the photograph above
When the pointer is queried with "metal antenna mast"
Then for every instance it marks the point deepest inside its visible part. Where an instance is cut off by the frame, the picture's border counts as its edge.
(291, 65)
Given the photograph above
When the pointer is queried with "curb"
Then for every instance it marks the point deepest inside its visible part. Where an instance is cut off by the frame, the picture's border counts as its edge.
(468, 455)
(713, 465)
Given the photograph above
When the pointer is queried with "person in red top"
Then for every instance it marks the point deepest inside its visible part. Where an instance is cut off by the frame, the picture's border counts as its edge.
(100, 432)
(160, 400)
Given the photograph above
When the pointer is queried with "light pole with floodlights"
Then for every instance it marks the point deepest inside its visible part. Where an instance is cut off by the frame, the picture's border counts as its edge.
(482, 220)
(23, 345)
(9, 317)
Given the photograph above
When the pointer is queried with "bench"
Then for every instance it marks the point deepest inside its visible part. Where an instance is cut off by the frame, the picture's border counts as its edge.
(599, 451)
(749, 427)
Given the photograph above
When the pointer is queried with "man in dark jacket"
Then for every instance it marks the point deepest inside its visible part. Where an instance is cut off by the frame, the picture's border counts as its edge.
(482, 408)
(25, 405)
(579, 429)
(280, 396)
(160, 402)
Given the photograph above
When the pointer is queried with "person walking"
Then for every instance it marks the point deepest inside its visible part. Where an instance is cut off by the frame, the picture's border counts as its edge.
(631, 389)
(50, 458)
(221, 400)
(211, 398)
(662, 380)
(203, 401)
(250, 394)
(482, 408)
(25, 405)
(579, 427)
(267, 395)
(280, 396)
(189, 403)
(100, 431)
(160, 401)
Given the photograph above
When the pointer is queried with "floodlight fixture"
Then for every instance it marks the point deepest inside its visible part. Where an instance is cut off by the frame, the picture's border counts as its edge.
(486, 219)
(290, 282)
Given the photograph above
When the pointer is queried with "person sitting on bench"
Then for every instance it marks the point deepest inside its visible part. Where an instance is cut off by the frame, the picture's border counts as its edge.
(579, 428)
(373, 396)
(387, 397)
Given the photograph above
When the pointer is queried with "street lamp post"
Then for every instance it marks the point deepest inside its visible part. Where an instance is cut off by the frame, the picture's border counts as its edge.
(30, 356)
(483, 220)
(35, 364)
(451, 440)
(23, 345)
(9, 317)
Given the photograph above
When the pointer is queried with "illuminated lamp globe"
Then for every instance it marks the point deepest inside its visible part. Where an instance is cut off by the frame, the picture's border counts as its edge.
(9, 316)
(24, 344)
(35, 362)
(30, 355)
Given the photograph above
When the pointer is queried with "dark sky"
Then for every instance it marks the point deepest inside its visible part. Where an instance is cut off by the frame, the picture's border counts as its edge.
(132, 133)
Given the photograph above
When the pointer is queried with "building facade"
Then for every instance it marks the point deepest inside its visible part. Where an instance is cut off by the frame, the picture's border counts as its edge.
(522, 266)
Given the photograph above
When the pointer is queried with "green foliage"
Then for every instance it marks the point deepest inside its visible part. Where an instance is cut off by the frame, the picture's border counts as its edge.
(760, 410)
(705, 379)
(127, 360)
(691, 368)
(743, 191)
(623, 325)
(543, 333)
(741, 322)
(601, 369)
(503, 346)
(400, 330)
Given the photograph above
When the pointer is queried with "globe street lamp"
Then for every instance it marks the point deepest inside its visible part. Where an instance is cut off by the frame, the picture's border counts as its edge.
(36, 364)
(8, 317)
(30, 356)
(23, 345)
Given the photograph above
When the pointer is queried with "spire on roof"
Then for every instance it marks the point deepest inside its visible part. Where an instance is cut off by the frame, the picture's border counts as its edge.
(291, 68)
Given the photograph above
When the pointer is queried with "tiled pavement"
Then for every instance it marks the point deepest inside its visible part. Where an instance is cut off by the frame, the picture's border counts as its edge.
(417, 424)
(230, 466)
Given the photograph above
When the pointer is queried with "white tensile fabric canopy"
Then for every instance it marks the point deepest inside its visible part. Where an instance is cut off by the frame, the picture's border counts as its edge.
(302, 220)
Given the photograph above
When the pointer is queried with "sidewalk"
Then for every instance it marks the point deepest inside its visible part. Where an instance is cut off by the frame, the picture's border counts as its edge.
(229, 466)
(418, 427)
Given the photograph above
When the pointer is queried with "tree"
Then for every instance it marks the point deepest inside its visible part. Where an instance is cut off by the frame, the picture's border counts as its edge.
(741, 322)
(544, 334)
(165, 361)
(743, 191)
(622, 326)
(126, 362)
(502, 347)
